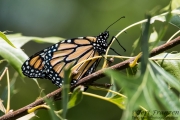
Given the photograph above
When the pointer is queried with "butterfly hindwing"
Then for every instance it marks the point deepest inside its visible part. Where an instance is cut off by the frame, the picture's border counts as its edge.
(34, 66)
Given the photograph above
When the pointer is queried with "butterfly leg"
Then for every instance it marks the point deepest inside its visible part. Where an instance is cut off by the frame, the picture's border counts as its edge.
(113, 37)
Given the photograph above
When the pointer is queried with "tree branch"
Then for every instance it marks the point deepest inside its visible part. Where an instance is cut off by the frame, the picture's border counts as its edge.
(56, 95)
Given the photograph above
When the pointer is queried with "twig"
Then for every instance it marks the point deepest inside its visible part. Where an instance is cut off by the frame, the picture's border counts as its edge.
(56, 95)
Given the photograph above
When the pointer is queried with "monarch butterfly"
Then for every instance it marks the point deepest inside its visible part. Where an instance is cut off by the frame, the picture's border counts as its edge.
(50, 62)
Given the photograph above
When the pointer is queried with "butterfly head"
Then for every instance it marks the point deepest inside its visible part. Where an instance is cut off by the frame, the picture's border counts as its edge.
(103, 36)
(101, 43)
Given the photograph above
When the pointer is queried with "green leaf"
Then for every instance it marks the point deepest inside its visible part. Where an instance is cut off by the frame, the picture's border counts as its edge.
(152, 41)
(171, 65)
(129, 84)
(136, 46)
(65, 91)
(14, 56)
(133, 88)
(119, 101)
(148, 90)
(175, 20)
(169, 99)
(132, 70)
(76, 97)
(172, 81)
(175, 4)
(144, 45)
(20, 40)
(48, 39)
(165, 17)
(153, 37)
(113, 88)
(53, 114)
(3, 36)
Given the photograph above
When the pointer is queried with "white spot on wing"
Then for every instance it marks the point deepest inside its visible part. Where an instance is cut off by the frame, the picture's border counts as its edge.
(80, 37)
(69, 41)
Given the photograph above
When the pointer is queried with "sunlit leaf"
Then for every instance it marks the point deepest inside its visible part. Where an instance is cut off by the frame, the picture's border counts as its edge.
(2, 108)
(153, 36)
(161, 18)
(175, 4)
(171, 65)
(119, 101)
(14, 56)
(19, 40)
(3, 36)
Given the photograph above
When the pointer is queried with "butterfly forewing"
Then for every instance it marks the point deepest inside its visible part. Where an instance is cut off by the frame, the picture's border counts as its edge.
(71, 56)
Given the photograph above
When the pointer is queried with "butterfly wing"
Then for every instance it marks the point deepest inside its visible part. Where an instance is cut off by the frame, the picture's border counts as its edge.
(51, 62)
(92, 68)
(69, 53)
(34, 66)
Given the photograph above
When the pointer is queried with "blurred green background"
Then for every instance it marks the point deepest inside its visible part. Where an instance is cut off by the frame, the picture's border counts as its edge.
(69, 19)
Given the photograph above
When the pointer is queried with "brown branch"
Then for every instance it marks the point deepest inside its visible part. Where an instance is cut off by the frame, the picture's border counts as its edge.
(56, 95)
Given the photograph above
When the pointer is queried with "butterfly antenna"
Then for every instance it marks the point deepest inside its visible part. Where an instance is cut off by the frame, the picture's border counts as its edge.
(114, 23)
